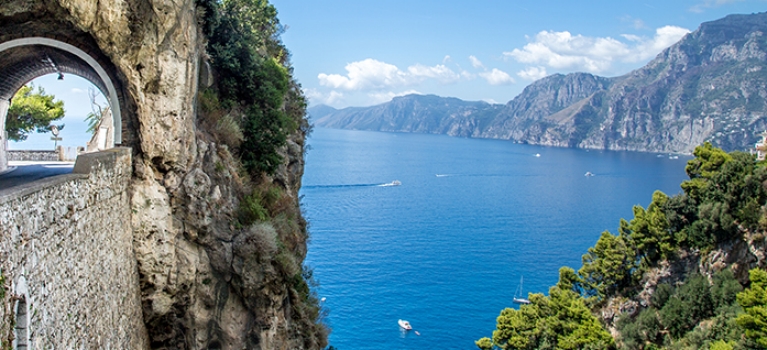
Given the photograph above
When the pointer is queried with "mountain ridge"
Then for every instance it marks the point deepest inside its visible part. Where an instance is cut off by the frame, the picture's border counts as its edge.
(709, 86)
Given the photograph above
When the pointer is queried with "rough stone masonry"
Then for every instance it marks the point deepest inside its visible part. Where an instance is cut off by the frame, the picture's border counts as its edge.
(68, 269)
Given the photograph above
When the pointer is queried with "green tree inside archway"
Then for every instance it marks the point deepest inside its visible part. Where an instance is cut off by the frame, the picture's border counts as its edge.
(30, 111)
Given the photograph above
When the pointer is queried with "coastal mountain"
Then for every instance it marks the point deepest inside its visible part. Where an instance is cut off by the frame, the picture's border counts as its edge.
(710, 86)
(411, 113)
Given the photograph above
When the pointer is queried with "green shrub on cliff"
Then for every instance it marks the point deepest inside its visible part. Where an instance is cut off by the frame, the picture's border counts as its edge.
(754, 302)
(253, 76)
(723, 200)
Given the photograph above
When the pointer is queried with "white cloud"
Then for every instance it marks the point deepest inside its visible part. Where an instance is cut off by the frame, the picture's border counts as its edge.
(77, 91)
(447, 59)
(564, 51)
(497, 77)
(439, 72)
(365, 74)
(381, 97)
(490, 101)
(703, 5)
(333, 97)
(664, 37)
(371, 74)
(475, 62)
(318, 97)
(532, 73)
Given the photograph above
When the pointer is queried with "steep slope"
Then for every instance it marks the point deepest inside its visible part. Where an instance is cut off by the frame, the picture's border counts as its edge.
(710, 86)
(208, 278)
(416, 113)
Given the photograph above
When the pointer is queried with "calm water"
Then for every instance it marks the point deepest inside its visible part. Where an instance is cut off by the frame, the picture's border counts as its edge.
(446, 249)
(74, 134)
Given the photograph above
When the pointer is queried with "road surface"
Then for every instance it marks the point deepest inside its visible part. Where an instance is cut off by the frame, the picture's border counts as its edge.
(26, 172)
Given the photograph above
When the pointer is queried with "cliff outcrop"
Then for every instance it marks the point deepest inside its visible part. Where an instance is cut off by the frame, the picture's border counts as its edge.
(206, 281)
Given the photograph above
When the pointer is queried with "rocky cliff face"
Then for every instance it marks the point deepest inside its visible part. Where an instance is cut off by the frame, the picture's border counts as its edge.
(710, 86)
(204, 284)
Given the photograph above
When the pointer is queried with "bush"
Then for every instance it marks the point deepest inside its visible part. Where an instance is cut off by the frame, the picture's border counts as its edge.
(252, 210)
(251, 66)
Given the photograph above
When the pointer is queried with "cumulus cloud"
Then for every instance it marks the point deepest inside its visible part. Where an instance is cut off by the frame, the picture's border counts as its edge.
(648, 48)
(703, 5)
(497, 77)
(318, 97)
(475, 62)
(564, 51)
(532, 73)
(371, 74)
(439, 72)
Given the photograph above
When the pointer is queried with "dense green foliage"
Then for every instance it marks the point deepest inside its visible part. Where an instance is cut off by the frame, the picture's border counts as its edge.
(754, 302)
(254, 78)
(32, 111)
(722, 201)
(675, 314)
(558, 321)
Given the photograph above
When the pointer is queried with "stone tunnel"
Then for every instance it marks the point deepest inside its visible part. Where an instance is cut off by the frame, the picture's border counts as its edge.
(26, 54)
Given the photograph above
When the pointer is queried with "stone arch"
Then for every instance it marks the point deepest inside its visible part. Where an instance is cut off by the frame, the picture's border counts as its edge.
(26, 58)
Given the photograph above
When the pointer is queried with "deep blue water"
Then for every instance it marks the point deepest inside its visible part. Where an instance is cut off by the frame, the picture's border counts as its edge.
(446, 252)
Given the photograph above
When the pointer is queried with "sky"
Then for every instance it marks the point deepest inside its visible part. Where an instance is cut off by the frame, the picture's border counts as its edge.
(73, 90)
(361, 53)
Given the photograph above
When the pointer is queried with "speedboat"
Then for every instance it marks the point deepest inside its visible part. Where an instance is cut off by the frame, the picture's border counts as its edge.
(396, 183)
(588, 173)
(405, 325)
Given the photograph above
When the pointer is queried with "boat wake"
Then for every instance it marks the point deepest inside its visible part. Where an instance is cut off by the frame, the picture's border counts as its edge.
(389, 184)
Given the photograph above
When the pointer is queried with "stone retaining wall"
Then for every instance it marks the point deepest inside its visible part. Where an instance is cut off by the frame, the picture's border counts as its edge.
(68, 272)
(64, 154)
(39, 156)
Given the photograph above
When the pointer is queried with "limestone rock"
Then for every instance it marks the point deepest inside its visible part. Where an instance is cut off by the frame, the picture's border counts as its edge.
(200, 287)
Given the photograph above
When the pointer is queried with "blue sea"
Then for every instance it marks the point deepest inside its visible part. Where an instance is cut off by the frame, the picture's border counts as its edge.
(73, 134)
(447, 248)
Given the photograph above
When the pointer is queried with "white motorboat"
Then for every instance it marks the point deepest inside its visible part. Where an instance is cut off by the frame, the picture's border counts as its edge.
(396, 183)
(405, 325)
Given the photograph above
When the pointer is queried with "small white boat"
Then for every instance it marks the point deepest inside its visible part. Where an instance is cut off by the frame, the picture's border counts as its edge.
(518, 299)
(538, 155)
(405, 325)
(396, 183)
(588, 173)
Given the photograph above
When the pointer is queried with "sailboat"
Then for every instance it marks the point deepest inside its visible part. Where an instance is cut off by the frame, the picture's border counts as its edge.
(518, 299)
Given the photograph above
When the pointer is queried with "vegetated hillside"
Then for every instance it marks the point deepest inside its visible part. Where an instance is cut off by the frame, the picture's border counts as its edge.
(687, 272)
(412, 113)
(710, 86)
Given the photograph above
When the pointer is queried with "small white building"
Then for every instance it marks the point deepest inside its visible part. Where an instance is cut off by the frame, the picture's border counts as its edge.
(761, 147)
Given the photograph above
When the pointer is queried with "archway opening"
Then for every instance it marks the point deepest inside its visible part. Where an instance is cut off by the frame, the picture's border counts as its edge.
(24, 59)
(83, 106)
